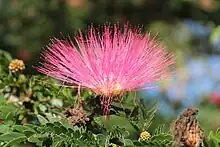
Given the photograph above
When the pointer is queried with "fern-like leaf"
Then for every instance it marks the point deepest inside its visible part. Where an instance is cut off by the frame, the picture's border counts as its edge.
(142, 117)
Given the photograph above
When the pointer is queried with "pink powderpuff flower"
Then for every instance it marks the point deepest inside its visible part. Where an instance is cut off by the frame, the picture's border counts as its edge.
(109, 61)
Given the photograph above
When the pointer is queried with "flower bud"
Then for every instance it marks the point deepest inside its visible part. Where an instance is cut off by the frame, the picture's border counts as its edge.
(16, 65)
(144, 136)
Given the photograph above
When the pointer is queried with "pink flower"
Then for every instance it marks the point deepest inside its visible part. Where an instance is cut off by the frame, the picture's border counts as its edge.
(109, 61)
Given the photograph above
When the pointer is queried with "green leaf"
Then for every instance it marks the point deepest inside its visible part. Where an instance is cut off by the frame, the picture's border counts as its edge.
(34, 138)
(4, 128)
(18, 128)
(101, 139)
(211, 134)
(21, 128)
(51, 118)
(141, 117)
(42, 107)
(66, 124)
(10, 136)
(128, 142)
(135, 126)
(159, 130)
(16, 141)
(58, 140)
(9, 122)
(42, 120)
(8, 111)
(30, 126)
(148, 117)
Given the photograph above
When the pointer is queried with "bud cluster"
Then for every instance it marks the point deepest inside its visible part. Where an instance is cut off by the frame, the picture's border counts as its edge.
(144, 136)
(16, 65)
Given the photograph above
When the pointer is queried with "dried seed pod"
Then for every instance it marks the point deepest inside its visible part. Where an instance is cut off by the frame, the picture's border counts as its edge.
(186, 130)
(16, 65)
(76, 116)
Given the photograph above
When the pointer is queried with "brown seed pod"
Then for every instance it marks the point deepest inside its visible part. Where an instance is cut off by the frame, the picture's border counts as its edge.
(186, 130)
(76, 115)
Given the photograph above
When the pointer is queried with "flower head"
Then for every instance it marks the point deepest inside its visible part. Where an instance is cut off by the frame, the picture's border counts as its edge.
(16, 65)
(144, 136)
(108, 61)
